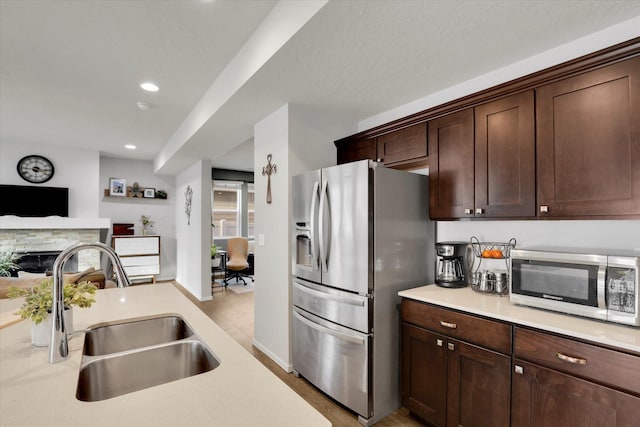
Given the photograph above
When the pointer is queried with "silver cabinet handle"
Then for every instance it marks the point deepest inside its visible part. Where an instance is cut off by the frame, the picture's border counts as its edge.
(576, 360)
(439, 343)
(544, 208)
(479, 211)
(468, 211)
(518, 369)
(451, 346)
(448, 325)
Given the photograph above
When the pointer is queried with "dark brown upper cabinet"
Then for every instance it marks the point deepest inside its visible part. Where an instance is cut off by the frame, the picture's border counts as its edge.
(505, 177)
(482, 161)
(588, 143)
(359, 149)
(563, 142)
(403, 145)
(451, 165)
(398, 147)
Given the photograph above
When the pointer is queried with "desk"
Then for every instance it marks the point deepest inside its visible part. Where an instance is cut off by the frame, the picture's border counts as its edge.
(221, 269)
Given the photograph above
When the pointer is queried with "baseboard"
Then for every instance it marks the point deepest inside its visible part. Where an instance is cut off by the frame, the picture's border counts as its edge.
(287, 367)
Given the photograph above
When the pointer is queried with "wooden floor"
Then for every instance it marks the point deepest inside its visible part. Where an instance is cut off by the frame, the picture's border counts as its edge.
(234, 313)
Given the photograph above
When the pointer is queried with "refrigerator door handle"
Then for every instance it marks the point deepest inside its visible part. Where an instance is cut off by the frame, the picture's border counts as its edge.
(312, 225)
(324, 295)
(340, 335)
(323, 250)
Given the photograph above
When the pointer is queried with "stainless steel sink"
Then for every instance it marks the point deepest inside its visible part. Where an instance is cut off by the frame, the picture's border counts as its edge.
(107, 377)
(131, 355)
(113, 337)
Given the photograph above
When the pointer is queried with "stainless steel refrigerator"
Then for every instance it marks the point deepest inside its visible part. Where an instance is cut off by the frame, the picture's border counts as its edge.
(361, 233)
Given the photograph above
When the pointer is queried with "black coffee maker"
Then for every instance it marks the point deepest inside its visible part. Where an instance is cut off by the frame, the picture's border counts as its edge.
(452, 269)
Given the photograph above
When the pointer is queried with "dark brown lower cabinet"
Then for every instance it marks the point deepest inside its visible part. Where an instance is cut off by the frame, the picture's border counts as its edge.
(448, 382)
(546, 398)
(424, 374)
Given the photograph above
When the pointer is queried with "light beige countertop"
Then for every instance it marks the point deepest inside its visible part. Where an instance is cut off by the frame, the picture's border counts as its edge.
(499, 307)
(240, 392)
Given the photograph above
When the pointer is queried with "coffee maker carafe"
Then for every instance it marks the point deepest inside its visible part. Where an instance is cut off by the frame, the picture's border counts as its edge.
(452, 266)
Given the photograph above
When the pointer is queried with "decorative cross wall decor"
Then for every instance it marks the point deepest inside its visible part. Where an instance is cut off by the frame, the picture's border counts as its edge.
(268, 170)
(188, 196)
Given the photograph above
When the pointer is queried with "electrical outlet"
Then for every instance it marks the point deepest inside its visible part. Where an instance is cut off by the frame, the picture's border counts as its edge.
(261, 239)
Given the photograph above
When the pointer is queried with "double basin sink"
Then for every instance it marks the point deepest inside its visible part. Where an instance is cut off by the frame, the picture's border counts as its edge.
(124, 356)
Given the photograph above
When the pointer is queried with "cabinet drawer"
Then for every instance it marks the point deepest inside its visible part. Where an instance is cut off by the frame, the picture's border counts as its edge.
(131, 261)
(609, 367)
(476, 330)
(138, 245)
(142, 270)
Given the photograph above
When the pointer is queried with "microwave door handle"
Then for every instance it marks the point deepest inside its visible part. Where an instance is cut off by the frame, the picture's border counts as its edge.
(312, 225)
(601, 284)
(340, 335)
(323, 250)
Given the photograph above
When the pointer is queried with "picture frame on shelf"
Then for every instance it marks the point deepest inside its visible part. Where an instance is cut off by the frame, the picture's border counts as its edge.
(150, 193)
(117, 187)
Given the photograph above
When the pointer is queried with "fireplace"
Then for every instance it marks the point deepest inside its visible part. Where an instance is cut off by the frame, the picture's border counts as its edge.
(42, 261)
(35, 238)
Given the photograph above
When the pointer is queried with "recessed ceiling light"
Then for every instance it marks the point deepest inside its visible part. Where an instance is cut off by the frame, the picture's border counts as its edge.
(144, 106)
(149, 87)
(130, 147)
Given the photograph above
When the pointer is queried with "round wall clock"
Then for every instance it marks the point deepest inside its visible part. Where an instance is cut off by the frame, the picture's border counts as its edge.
(35, 169)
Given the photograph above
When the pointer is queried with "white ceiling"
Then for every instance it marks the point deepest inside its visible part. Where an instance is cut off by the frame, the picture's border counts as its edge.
(69, 70)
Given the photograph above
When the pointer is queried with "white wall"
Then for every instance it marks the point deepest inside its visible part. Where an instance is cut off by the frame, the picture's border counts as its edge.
(597, 234)
(295, 148)
(129, 209)
(75, 169)
(193, 236)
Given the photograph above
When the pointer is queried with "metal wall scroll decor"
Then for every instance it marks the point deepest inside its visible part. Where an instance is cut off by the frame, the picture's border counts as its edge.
(268, 170)
(188, 196)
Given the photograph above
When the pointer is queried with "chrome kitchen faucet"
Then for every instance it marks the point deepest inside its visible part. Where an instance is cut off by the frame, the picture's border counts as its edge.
(59, 344)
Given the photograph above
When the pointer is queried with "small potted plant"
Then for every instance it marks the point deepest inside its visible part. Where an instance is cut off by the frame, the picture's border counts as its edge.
(147, 224)
(38, 304)
(215, 259)
(8, 263)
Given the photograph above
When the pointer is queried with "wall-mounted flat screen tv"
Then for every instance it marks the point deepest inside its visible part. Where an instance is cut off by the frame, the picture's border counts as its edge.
(33, 201)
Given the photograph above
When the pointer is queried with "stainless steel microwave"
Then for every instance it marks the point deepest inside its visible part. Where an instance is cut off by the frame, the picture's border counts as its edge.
(592, 284)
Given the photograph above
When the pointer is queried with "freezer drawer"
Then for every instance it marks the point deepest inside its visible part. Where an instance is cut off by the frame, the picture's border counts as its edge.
(334, 359)
(344, 308)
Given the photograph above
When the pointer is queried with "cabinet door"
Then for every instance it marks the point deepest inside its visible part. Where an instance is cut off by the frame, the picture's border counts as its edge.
(546, 398)
(408, 144)
(505, 157)
(588, 143)
(451, 166)
(360, 149)
(478, 392)
(424, 374)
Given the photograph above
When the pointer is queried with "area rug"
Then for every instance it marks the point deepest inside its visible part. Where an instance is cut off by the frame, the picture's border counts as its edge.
(240, 288)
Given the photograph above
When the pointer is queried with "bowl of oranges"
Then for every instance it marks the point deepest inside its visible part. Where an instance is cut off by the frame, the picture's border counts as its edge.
(492, 250)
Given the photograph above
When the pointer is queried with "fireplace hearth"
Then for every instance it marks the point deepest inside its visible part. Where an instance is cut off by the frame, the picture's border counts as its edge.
(42, 261)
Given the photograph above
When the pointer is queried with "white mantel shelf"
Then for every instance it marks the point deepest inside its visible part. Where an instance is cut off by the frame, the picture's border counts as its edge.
(10, 222)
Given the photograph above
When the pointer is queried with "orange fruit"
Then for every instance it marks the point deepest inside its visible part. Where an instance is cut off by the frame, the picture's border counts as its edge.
(496, 253)
(487, 254)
